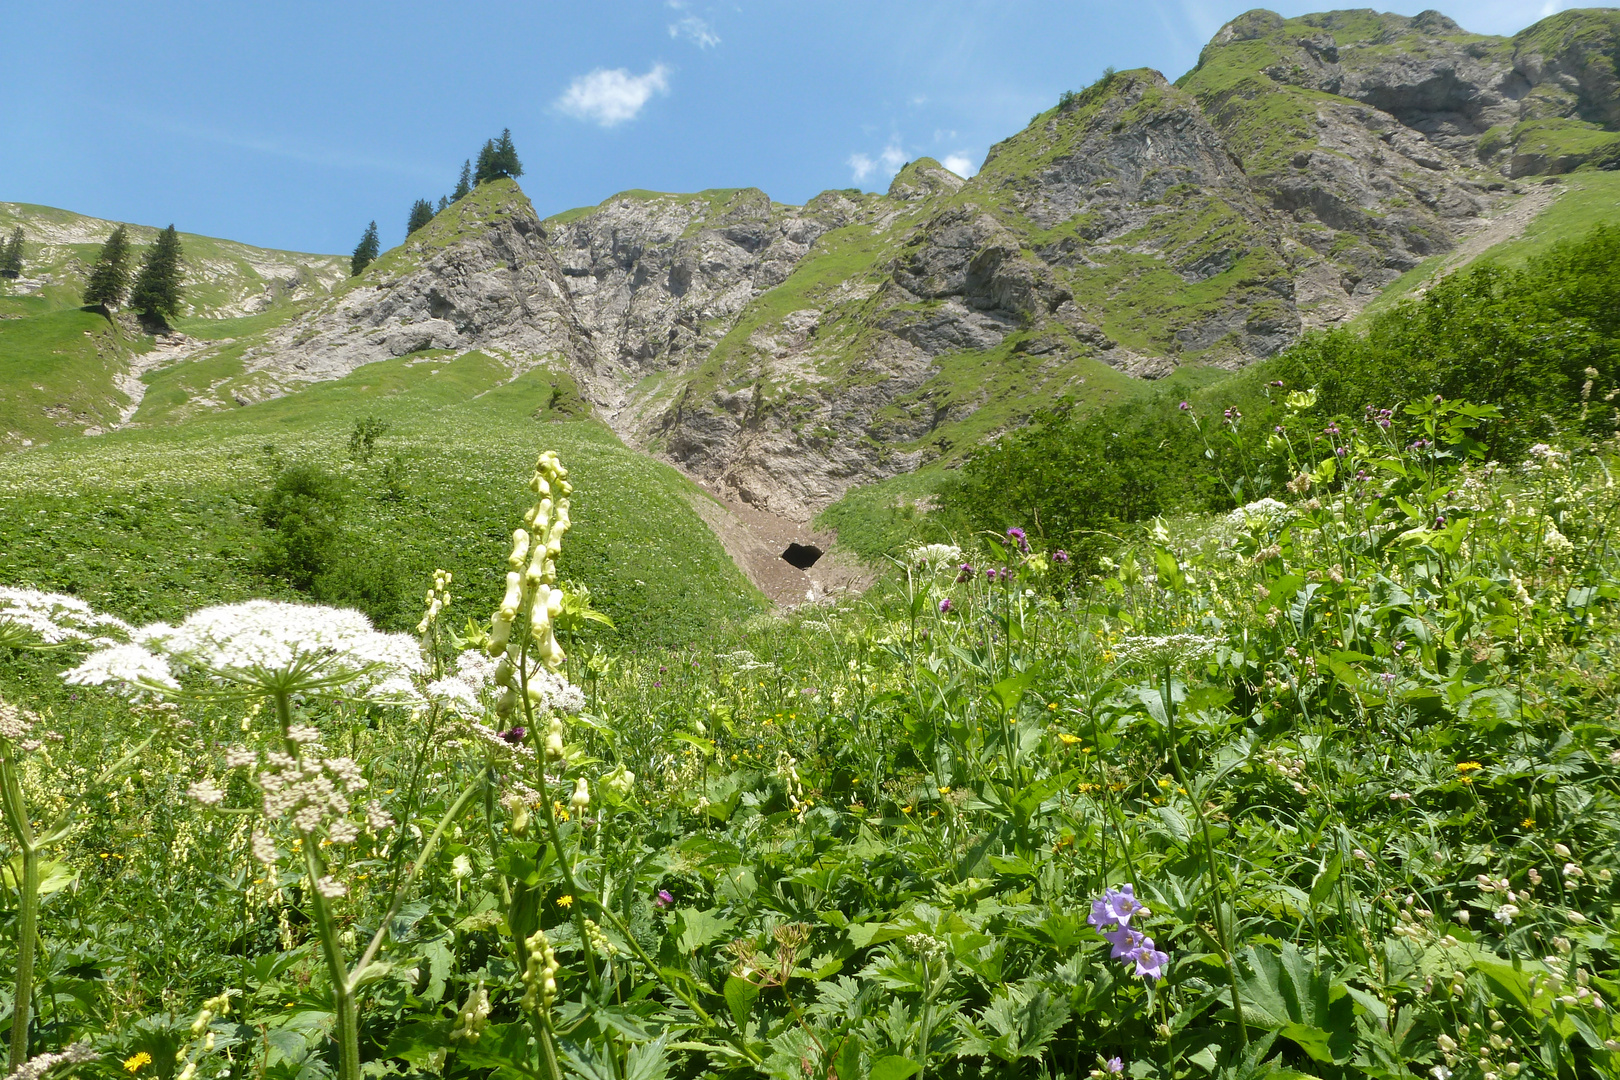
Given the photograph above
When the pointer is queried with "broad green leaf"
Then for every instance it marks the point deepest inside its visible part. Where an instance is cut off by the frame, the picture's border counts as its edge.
(894, 1067)
(740, 997)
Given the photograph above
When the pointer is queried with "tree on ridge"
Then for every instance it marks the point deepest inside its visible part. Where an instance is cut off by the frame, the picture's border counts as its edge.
(11, 255)
(157, 287)
(421, 214)
(109, 277)
(366, 251)
(464, 184)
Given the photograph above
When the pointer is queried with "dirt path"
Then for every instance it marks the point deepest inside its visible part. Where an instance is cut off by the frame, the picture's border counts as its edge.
(755, 540)
(1507, 225)
(167, 349)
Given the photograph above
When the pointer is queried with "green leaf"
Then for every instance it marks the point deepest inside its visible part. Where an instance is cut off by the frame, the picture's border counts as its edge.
(695, 929)
(894, 1067)
(1281, 992)
(1326, 878)
(740, 997)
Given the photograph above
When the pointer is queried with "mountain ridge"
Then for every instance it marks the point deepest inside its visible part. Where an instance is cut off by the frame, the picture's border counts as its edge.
(1140, 230)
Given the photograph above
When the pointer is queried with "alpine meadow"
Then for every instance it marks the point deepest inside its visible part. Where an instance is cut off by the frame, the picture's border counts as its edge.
(1148, 609)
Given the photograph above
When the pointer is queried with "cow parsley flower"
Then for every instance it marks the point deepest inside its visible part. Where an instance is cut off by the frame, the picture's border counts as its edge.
(1157, 651)
(935, 557)
(54, 619)
(127, 669)
(263, 647)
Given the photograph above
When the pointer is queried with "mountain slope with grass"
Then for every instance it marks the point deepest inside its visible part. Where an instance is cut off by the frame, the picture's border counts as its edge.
(1139, 231)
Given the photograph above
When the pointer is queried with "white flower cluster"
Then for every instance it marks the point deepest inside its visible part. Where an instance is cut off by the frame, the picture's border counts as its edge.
(17, 726)
(1262, 512)
(1157, 651)
(55, 618)
(263, 644)
(35, 1067)
(935, 557)
(313, 794)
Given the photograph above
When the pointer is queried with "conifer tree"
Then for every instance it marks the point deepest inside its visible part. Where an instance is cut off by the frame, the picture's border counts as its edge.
(506, 159)
(464, 184)
(421, 214)
(109, 278)
(365, 252)
(485, 172)
(444, 201)
(11, 255)
(157, 287)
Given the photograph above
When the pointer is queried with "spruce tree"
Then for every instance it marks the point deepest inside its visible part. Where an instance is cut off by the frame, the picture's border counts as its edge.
(444, 201)
(421, 214)
(365, 252)
(485, 172)
(11, 255)
(157, 287)
(109, 278)
(506, 158)
(463, 185)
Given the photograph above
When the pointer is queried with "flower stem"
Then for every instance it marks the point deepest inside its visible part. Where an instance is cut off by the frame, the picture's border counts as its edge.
(16, 812)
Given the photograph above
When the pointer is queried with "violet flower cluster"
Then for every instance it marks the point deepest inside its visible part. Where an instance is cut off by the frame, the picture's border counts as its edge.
(1111, 917)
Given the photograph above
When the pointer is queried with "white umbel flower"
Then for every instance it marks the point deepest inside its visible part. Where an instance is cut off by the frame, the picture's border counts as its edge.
(55, 618)
(128, 669)
(265, 646)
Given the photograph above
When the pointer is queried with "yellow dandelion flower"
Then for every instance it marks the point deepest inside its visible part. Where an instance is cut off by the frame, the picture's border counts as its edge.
(1066, 739)
(1528, 823)
(133, 1064)
(565, 901)
(1051, 704)
(905, 809)
(1468, 766)
(946, 790)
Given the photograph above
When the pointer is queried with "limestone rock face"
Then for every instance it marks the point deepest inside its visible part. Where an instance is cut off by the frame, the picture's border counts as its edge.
(783, 354)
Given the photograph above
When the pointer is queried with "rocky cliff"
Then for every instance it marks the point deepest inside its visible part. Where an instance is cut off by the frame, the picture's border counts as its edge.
(782, 354)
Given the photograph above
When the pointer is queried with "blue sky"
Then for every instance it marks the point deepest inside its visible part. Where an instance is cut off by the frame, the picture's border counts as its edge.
(291, 124)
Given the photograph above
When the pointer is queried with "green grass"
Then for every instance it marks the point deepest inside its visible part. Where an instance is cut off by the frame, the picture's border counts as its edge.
(150, 522)
(57, 369)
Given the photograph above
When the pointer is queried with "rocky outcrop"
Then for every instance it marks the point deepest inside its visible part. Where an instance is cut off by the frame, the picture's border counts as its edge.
(783, 354)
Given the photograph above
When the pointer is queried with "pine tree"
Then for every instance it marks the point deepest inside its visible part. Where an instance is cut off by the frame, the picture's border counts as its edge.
(421, 214)
(157, 287)
(485, 172)
(109, 278)
(463, 185)
(444, 201)
(365, 252)
(506, 158)
(11, 255)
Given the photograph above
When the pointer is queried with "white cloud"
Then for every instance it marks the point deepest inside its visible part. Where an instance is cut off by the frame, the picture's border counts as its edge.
(887, 163)
(612, 96)
(960, 164)
(692, 28)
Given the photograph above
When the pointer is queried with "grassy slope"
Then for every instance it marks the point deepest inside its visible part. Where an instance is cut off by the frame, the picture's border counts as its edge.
(221, 274)
(153, 522)
(57, 368)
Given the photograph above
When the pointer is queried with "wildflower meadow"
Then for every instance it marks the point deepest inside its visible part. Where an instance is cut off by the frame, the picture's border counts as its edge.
(1323, 786)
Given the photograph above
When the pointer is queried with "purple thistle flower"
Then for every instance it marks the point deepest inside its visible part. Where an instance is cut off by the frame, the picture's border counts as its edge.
(945, 606)
(1060, 556)
(990, 574)
(1339, 450)
(663, 899)
(1184, 406)
(514, 735)
(1015, 533)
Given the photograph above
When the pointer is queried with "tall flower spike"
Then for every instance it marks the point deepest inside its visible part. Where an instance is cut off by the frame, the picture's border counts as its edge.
(531, 586)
